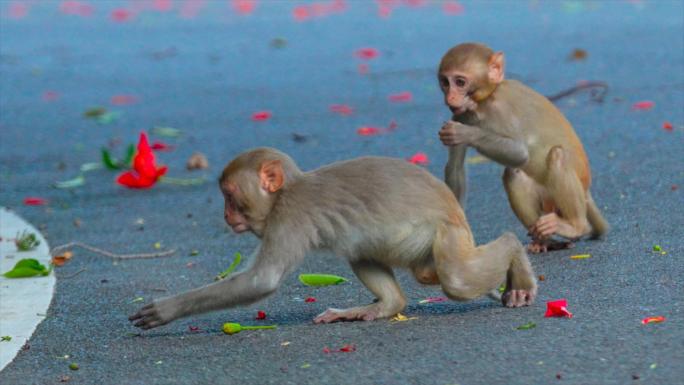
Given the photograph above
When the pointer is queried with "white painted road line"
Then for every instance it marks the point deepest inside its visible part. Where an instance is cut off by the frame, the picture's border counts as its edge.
(23, 301)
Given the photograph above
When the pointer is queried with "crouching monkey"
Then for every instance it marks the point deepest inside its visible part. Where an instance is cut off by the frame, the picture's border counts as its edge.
(547, 174)
(378, 213)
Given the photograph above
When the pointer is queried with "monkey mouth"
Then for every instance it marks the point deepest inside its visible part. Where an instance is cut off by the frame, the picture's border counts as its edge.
(239, 227)
(458, 110)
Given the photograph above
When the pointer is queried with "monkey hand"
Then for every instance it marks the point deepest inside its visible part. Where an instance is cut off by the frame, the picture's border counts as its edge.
(454, 133)
(157, 313)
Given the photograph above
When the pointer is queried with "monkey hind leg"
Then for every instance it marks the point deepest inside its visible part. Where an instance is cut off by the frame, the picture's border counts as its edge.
(568, 196)
(467, 272)
(599, 225)
(524, 196)
(379, 279)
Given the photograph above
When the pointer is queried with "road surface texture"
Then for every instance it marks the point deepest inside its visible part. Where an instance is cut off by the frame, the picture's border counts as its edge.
(205, 67)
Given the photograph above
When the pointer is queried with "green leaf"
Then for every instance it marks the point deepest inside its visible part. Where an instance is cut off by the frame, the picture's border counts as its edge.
(28, 267)
(26, 241)
(5, 338)
(95, 112)
(71, 183)
(527, 326)
(321, 279)
(108, 161)
(130, 153)
(236, 262)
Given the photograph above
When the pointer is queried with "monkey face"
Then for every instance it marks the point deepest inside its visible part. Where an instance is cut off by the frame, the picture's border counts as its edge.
(235, 209)
(456, 88)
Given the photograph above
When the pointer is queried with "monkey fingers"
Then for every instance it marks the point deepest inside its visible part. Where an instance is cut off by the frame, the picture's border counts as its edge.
(546, 226)
(518, 298)
(362, 313)
(147, 317)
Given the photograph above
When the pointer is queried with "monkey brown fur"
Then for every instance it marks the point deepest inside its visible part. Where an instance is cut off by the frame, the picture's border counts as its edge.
(378, 213)
(547, 175)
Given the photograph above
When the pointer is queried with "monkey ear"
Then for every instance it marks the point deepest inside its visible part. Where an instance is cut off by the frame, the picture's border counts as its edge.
(272, 176)
(496, 68)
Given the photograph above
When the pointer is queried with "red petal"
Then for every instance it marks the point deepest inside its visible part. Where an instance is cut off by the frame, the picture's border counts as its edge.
(656, 319)
(452, 8)
(301, 13)
(193, 328)
(131, 180)
(557, 308)
(341, 109)
(405, 96)
(244, 7)
(261, 116)
(368, 131)
(310, 299)
(348, 348)
(121, 15)
(161, 146)
(326, 350)
(162, 5)
(18, 10)
(419, 158)
(643, 105)
(668, 126)
(121, 100)
(367, 53)
(261, 315)
(34, 201)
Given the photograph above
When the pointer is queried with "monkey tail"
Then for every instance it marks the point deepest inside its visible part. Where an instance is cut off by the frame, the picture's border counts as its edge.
(599, 225)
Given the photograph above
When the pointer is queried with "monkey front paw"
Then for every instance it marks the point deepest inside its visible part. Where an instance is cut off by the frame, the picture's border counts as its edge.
(518, 298)
(546, 226)
(536, 247)
(152, 315)
(367, 313)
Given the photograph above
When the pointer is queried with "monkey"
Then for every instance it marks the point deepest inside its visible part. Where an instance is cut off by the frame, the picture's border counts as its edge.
(378, 213)
(546, 175)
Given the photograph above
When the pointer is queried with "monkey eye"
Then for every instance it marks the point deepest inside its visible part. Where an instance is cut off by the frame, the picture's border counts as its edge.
(443, 82)
(460, 82)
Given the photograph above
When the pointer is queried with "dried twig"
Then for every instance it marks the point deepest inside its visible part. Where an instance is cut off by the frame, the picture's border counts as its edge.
(74, 274)
(598, 91)
(70, 245)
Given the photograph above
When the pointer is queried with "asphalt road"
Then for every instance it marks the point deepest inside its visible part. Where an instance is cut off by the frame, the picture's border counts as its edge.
(206, 72)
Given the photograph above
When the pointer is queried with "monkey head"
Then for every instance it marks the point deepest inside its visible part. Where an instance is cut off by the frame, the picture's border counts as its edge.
(468, 74)
(251, 184)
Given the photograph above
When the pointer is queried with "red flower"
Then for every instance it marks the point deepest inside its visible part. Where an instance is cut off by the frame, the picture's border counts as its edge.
(145, 172)
(310, 299)
(121, 15)
(261, 315)
(557, 308)
(668, 126)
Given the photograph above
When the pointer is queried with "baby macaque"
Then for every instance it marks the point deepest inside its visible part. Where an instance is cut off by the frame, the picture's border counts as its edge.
(378, 213)
(547, 174)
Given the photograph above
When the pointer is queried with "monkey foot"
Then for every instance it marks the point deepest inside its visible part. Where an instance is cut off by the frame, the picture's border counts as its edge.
(536, 247)
(353, 314)
(518, 298)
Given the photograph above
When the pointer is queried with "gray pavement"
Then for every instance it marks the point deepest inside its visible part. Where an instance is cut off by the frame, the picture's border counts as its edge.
(206, 75)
